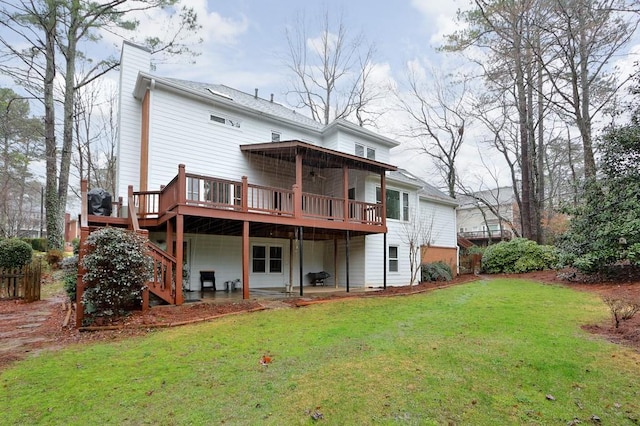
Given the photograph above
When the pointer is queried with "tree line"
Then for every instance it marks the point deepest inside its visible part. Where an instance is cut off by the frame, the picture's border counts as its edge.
(540, 78)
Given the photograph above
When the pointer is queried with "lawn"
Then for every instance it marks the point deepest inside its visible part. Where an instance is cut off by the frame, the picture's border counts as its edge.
(490, 352)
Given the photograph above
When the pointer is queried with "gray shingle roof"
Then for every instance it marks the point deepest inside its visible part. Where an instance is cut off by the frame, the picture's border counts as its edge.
(425, 190)
(220, 91)
(498, 196)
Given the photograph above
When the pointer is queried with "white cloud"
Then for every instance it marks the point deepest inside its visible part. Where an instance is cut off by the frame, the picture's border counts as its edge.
(440, 17)
(215, 27)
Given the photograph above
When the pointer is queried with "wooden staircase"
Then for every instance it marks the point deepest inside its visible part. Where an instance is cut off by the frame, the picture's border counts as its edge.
(162, 282)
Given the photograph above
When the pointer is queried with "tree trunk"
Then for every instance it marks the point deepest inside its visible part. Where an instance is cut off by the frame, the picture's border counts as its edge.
(584, 119)
(525, 213)
(69, 106)
(52, 202)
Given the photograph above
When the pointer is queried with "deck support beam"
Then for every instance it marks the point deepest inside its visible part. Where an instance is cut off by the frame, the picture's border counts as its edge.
(300, 259)
(384, 263)
(245, 260)
(179, 297)
(347, 259)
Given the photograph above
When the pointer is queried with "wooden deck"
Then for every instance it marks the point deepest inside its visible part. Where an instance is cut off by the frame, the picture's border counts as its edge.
(207, 196)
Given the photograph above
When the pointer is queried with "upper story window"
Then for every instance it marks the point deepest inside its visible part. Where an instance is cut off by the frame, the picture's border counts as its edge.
(361, 150)
(397, 206)
(275, 136)
(232, 122)
(405, 207)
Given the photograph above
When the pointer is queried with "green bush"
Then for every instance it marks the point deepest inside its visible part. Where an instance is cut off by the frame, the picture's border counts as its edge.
(37, 244)
(76, 245)
(69, 266)
(14, 253)
(437, 271)
(54, 257)
(117, 269)
(517, 256)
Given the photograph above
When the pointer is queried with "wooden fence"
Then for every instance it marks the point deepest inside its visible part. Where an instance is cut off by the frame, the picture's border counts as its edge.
(470, 263)
(21, 283)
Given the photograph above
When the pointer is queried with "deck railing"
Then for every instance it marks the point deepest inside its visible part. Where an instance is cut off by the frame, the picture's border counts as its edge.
(211, 192)
(505, 234)
(162, 282)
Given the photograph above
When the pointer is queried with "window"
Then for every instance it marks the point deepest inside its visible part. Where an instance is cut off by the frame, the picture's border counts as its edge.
(394, 206)
(275, 137)
(405, 207)
(259, 259)
(224, 120)
(360, 151)
(371, 153)
(275, 259)
(267, 259)
(393, 259)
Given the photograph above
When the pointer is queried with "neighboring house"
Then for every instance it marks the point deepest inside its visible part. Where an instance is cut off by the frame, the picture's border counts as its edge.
(229, 182)
(488, 216)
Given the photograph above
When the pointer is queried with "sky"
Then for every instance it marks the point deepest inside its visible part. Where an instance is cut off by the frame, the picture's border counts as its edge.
(244, 46)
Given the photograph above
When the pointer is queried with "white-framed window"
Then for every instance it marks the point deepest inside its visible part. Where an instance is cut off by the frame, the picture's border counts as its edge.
(397, 205)
(266, 259)
(405, 206)
(275, 136)
(371, 153)
(393, 258)
(222, 119)
(361, 150)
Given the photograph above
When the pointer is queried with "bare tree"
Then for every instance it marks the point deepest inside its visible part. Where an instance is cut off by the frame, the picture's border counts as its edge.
(416, 234)
(96, 136)
(21, 143)
(331, 71)
(54, 33)
(584, 36)
(438, 120)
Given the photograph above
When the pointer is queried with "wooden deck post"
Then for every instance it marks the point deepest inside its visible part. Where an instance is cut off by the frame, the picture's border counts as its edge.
(297, 201)
(182, 184)
(169, 249)
(335, 262)
(244, 203)
(145, 299)
(84, 233)
(383, 196)
(384, 262)
(301, 258)
(347, 258)
(245, 259)
(179, 298)
(345, 192)
(297, 188)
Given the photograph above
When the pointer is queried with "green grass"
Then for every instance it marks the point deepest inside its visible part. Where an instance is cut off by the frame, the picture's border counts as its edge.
(483, 353)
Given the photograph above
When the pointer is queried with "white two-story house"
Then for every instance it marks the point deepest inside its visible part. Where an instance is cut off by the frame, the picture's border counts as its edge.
(231, 185)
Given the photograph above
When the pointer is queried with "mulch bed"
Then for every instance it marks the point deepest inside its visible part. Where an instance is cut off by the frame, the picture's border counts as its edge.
(50, 334)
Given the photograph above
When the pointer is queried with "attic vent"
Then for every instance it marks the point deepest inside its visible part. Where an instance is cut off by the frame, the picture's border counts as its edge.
(222, 95)
(218, 119)
(222, 120)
